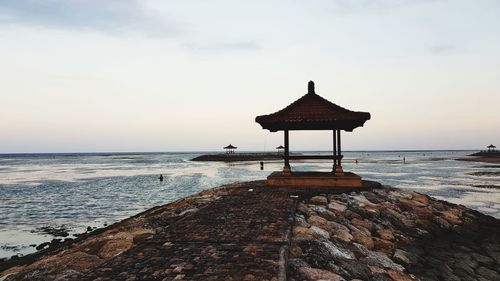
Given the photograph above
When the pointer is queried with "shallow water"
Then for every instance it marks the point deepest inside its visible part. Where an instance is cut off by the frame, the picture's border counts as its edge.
(80, 190)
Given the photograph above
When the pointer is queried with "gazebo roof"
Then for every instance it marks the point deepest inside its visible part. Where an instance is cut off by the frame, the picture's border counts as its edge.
(312, 112)
(230, 146)
(280, 147)
(491, 146)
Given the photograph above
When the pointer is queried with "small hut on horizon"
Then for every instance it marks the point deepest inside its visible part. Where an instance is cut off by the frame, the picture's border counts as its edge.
(280, 149)
(491, 148)
(230, 149)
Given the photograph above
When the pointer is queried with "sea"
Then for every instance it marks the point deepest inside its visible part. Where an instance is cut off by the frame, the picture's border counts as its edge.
(79, 190)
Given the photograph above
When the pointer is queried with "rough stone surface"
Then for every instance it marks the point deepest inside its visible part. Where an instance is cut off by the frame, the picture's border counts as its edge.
(218, 234)
(319, 200)
(363, 238)
(313, 274)
(398, 235)
(231, 233)
(337, 206)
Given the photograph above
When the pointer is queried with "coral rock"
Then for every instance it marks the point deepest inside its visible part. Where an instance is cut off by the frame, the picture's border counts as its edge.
(314, 274)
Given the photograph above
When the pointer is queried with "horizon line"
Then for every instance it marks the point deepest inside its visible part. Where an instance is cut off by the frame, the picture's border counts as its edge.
(221, 151)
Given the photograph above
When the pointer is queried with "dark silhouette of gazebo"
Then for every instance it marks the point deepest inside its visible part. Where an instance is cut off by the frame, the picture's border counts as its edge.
(491, 148)
(312, 112)
(230, 149)
(280, 149)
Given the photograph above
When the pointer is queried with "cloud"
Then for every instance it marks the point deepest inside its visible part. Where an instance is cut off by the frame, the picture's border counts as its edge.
(111, 16)
(342, 7)
(441, 49)
(224, 46)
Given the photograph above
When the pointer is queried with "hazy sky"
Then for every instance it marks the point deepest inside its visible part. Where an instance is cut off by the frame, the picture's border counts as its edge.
(126, 75)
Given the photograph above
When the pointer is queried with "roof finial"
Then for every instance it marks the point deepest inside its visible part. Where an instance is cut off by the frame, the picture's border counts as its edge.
(310, 87)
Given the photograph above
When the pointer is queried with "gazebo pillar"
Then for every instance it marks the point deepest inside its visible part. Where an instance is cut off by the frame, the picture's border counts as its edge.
(338, 168)
(334, 150)
(286, 169)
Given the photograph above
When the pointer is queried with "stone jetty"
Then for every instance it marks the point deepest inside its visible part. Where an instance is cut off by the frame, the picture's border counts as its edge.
(239, 157)
(390, 234)
(251, 231)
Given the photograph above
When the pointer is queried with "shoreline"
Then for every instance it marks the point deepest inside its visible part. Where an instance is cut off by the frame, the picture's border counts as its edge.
(277, 231)
(482, 157)
(479, 159)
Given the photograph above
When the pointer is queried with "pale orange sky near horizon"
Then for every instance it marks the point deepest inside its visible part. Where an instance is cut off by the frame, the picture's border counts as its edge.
(86, 76)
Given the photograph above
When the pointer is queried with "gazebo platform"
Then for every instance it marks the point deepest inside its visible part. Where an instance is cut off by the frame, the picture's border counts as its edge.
(314, 179)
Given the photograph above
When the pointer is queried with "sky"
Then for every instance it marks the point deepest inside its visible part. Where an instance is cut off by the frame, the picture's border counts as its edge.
(154, 75)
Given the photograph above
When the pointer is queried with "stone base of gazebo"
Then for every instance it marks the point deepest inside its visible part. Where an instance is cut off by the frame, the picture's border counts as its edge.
(312, 179)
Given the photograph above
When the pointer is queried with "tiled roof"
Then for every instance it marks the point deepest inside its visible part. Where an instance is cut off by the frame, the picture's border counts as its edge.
(312, 112)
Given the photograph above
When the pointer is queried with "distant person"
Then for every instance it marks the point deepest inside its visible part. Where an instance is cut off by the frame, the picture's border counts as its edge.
(356, 161)
(161, 177)
(262, 165)
(404, 160)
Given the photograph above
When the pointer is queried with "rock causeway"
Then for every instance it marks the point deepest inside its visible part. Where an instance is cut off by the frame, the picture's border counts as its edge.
(251, 231)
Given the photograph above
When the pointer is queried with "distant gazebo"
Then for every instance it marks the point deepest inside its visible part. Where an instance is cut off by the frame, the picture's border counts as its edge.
(230, 149)
(312, 112)
(491, 148)
(280, 149)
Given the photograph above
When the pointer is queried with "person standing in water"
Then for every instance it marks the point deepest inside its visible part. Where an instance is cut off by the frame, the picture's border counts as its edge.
(161, 177)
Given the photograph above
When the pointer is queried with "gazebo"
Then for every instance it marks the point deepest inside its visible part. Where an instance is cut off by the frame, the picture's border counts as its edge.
(491, 148)
(230, 149)
(312, 112)
(280, 149)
